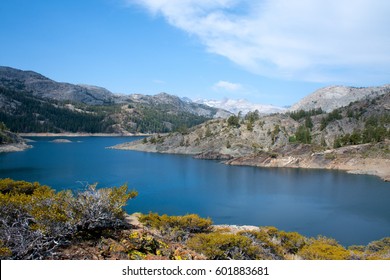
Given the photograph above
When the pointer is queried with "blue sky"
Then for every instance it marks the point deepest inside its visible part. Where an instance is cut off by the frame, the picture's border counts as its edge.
(270, 52)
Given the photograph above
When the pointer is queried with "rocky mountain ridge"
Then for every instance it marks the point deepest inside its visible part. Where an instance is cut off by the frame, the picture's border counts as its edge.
(333, 97)
(43, 87)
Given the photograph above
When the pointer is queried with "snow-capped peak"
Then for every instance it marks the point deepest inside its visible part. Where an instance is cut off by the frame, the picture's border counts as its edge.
(240, 105)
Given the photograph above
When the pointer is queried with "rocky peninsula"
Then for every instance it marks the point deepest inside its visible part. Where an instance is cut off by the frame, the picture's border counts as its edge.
(11, 142)
(355, 138)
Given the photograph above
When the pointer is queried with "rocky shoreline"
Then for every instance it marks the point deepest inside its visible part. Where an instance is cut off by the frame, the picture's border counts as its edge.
(357, 159)
(16, 147)
(354, 165)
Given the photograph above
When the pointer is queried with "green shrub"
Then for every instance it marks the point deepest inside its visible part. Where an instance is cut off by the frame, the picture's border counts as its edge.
(249, 126)
(18, 187)
(177, 227)
(330, 156)
(323, 248)
(252, 116)
(233, 121)
(297, 115)
(379, 249)
(292, 139)
(223, 246)
(331, 117)
(292, 242)
(266, 242)
(303, 135)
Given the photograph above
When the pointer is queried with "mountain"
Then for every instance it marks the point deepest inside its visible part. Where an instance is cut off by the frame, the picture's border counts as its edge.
(355, 138)
(30, 102)
(161, 113)
(43, 87)
(241, 105)
(333, 97)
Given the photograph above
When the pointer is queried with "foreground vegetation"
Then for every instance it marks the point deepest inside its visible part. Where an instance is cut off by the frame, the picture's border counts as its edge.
(35, 220)
(38, 223)
(265, 243)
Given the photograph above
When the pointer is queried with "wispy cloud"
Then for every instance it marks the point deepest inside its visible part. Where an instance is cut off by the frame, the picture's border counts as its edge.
(227, 86)
(314, 40)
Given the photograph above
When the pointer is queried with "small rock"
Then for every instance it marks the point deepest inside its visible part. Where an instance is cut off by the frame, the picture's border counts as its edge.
(61, 141)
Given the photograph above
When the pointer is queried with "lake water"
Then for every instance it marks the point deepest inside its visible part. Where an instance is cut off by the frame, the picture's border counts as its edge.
(353, 209)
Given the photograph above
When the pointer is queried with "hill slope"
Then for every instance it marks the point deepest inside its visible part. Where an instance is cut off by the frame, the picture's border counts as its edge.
(43, 87)
(30, 102)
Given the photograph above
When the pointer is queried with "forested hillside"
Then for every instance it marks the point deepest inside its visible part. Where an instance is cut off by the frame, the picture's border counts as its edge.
(23, 112)
(26, 113)
(31, 102)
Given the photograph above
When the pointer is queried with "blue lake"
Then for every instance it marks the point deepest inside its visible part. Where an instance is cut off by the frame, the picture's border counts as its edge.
(353, 209)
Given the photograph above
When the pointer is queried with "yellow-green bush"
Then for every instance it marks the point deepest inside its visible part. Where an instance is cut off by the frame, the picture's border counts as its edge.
(223, 246)
(323, 248)
(177, 227)
(271, 231)
(19, 187)
(4, 251)
(379, 249)
(267, 243)
(138, 245)
(292, 242)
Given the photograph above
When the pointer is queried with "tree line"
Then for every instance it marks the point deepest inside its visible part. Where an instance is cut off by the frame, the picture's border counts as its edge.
(36, 115)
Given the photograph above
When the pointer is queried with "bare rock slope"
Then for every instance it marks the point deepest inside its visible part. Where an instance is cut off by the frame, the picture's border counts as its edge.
(333, 97)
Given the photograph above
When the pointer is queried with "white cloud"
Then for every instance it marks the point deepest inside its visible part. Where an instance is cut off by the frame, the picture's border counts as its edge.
(316, 40)
(224, 85)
